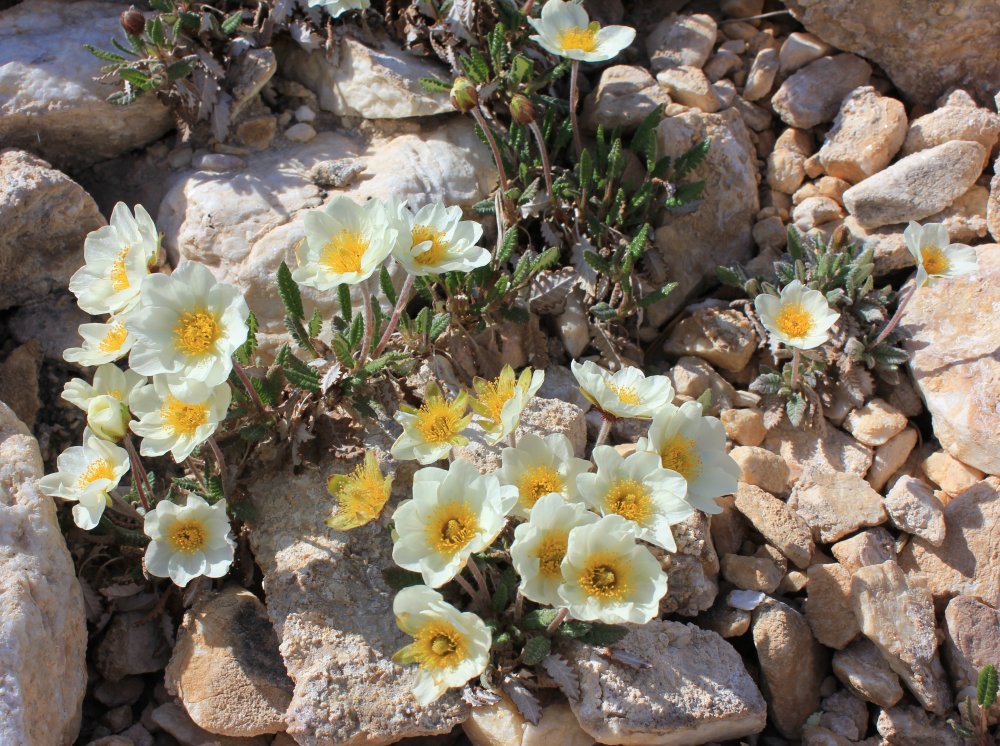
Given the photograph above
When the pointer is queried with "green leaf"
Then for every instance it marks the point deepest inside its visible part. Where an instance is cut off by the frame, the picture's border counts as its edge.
(645, 134)
(104, 54)
(535, 650)
(124, 98)
(795, 408)
(604, 635)
(729, 276)
(597, 261)
(521, 69)
(214, 484)
(397, 578)
(385, 282)
(356, 332)
(181, 68)
(986, 686)
(299, 335)
(433, 85)
(657, 295)
(243, 510)
(507, 246)
(154, 30)
(546, 259)
(767, 383)
(539, 618)
(315, 324)
(705, 399)
(795, 248)
(438, 325)
(688, 162)
(253, 433)
(244, 353)
(585, 170)
(475, 66)
(342, 350)
(136, 77)
(504, 591)
(603, 311)
(685, 193)
(301, 375)
(574, 629)
(637, 245)
(288, 291)
(232, 23)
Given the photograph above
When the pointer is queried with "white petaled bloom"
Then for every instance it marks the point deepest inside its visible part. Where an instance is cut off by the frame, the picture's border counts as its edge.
(109, 380)
(187, 324)
(609, 578)
(449, 646)
(117, 258)
(566, 30)
(102, 343)
(452, 514)
(345, 243)
(540, 545)
(694, 446)
(538, 466)
(188, 540)
(438, 241)
(108, 417)
(935, 256)
(499, 402)
(337, 7)
(638, 489)
(430, 431)
(177, 418)
(626, 393)
(799, 317)
(86, 474)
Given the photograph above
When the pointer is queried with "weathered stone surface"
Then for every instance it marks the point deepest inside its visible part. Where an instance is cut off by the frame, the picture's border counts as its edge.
(813, 94)
(752, 573)
(834, 504)
(681, 40)
(953, 341)
(786, 170)
(722, 336)
(693, 570)
(890, 457)
(875, 422)
(872, 546)
(133, 644)
(828, 605)
(845, 715)
(867, 133)
(776, 522)
(44, 217)
(172, 719)
(625, 95)
(692, 377)
(993, 205)
(762, 468)
(972, 641)
(831, 449)
(898, 617)
(799, 49)
(50, 99)
(952, 123)
(695, 690)
(788, 653)
(744, 426)
(226, 669)
(503, 724)
(913, 508)
(862, 669)
(725, 620)
(911, 726)
(917, 186)
(689, 86)
(968, 561)
(43, 637)
(19, 382)
(762, 73)
(815, 211)
(950, 474)
(53, 323)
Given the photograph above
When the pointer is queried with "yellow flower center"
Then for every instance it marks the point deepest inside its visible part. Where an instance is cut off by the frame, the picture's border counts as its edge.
(119, 277)
(438, 421)
(114, 339)
(187, 536)
(197, 332)
(550, 553)
(934, 260)
(361, 495)
(102, 468)
(182, 418)
(793, 321)
(438, 645)
(342, 253)
(629, 499)
(451, 527)
(625, 394)
(582, 38)
(438, 248)
(681, 455)
(495, 394)
(605, 576)
(536, 483)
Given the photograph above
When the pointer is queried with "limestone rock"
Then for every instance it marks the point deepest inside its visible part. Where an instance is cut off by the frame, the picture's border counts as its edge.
(19, 381)
(832, 449)
(913, 508)
(867, 133)
(225, 667)
(761, 468)
(695, 689)
(172, 719)
(693, 570)
(53, 323)
(624, 97)
(862, 669)
(43, 638)
(132, 644)
(815, 211)
(762, 73)
(503, 725)
(725, 620)
(799, 49)
(959, 374)
(785, 170)
(890, 457)
(44, 217)
(828, 605)
(813, 94)
(898, 617)
(681, 40)
(911, 726)
(752, 573)
(689, 86)
(692, 377)
(872, 546)
(950, 474)
(845, 715)
(993, 206)
(744, 426)
(835, 504)
(972, 640)
(917, 186)
(722, 336)
(776, 522)
(952, 123)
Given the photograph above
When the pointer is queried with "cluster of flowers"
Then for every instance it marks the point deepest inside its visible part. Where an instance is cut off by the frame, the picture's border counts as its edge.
(580, 544)
(179, 332)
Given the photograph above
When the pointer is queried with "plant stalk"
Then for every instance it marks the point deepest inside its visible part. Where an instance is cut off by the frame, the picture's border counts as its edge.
(602, 435)
(220, 462)
(574, 100)
(796, 357)
(894, 321)
(142, 486)
(544, 151)
(369, 318)
(401, 301)
(481, 121)
(241, 373)
(560, 618)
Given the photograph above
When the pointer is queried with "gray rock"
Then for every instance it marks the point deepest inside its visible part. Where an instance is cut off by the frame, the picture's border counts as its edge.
(681, 40)
(913, 508)
(782, 527)
(624, 97)
(863, 670)
(952, 123)
(693, 570)
(835, 504)
(133, 644)
(867, 133)
(813, 94)
(53, 323)
(971, 642)
(911, 726)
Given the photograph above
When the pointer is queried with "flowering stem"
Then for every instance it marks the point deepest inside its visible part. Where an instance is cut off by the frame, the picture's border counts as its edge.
(560, 618)
(138, 473)
(241, 373)
(527, 7)
(602, 435)
(401, 301)
(518, 607)
(126, 507)
(477, 574)
(795, 367)
(220, 462)
(574, 99)
(512, 438)
(473, 594)
(481, 121)
(366, 299)
(546, 167)
(894, 321)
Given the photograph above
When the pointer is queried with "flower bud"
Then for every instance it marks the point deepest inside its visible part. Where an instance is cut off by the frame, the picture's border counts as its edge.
(522, 110)
(133, 21)
(108, 417)
(464, 95)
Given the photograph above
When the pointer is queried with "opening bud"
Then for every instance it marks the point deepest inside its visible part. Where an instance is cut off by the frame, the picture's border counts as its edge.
(522, 110)
(464, 95)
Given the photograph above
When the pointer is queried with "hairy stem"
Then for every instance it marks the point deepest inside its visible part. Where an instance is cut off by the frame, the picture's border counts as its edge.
(544, 151)
(894, 321)
(574, 100)
(528, 5)
(796, 358)
(401, 301)
(241, 373)
(369, 318)
(220, 462)
(602, 434)
(481, 121)
(560, 618)
(142, 486)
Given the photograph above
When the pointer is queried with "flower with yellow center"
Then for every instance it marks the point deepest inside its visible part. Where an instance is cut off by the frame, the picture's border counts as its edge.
(102, 343)
(799, 317)
(188, 325)
(335, 8)
(188, 540)
(627, 393)
(86, 474)
(177, 417)
(499, 402)
(935, 256)
(430, 431)
(449, 646)
(694, 446)
(540, 545)
(109, 380)
(437, 240)
(345, 243)
(116, 257)
(565, 29)
(639, 489)
(452, 514)
(361, 495)
(538, 466)
(609, 578)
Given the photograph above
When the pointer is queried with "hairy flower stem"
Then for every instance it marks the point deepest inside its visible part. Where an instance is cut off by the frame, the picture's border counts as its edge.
(481, 121)
(574, 100)
(560, 618)
(482, 602)
(796, 355)
(220, 462)
(546, 167)
(401, 301)
(607, 421)
(527, 7)
(241, 373)
(480, 579)
(512, 439)
(894, 321)
(366, 300)
(139, 479)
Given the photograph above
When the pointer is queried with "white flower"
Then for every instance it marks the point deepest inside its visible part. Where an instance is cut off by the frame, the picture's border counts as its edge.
(500, 402)
(609, 578)
(800, 317)
(453, 513)
(109, 380)
(108, 417)
(935, 256)
(639, 489)
(86, 474)
(540, 545)
(189, 540)
(695, 447)
(627, 393)
(187, 324)
(439, 241)
(336, 7)
(450, 646)
(565, 29)
(540, 466)
(430, 431)
(177, 417)
(102, 343)
(117, 257)
(345, 243)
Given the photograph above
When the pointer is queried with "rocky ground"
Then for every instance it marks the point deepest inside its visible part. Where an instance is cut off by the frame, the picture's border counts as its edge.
(849, 591)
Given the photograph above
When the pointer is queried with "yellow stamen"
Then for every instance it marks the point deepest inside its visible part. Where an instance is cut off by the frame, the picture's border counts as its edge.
(342, 253)
(182, 418)
(451, 527)
(629, 499)
(681, 455)
(625, 394)
(793, 321)
(494, 394)
(536, 483)
(119, 277)
(187, 536)
(582, 38)
(114, 339)
(438, 421)
(102, 468)
(934, 260)
(605, 576)
(438, 645)
(550, 553)
(197, 332)
(361, 495)
(438, 247)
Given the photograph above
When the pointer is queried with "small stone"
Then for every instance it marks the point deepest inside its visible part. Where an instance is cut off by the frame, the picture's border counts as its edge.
(832, 450)
(911, 726)
(972, 641)
(692, 571)
(681, 40)
(875, 423)
(725, 620)
(19, 381)
(740, 8)
(625, 96)
(257, 133)
(217, 162)
(126, 691)
(890, 457)
(813, 94)
(305, 114)
(845, 715)
(722, 336)
(799, 49)
(815, 211)
(139, 736)
(770, 234)
(952, 123)
(503, 724)
(828, 605)
(785, 170)
(132, 644)
(725, 91)
(872, 546)
(777, 523)
(689, 86)
(118, 718)
(722, 64)
(863, 670)
(913, 508)
(171, 718)
(834, 504)
(692, 377)
(950, 474)
(793, 582)
(746, 600)
(729, 528)
(755, 117)
(744, 426)
(301, 132)
(751, 573)
(762, 468)
(993, 205)
(867, 133)
(761, 75)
